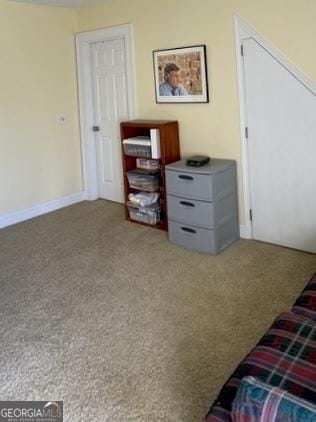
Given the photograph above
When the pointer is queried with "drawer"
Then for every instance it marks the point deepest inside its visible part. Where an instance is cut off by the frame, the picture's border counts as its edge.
(201, 213)
(210, 241)
(201, 186)
(190, 211)
(189, 185)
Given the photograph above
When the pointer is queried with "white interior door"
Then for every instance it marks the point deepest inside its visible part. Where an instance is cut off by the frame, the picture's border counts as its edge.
(110, 107)
(281, 120)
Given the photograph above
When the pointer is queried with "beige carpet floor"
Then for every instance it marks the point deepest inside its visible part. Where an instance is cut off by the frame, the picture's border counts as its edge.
(123, 325)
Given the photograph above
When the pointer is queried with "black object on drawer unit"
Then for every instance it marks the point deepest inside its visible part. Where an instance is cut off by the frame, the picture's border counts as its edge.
(197, 161)
(202, 205)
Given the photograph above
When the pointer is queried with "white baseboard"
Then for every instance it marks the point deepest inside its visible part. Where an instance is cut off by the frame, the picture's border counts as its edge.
(40, 209)
(245, 232)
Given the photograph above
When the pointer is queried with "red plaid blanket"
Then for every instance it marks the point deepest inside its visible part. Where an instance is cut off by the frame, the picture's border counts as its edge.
(285, 357)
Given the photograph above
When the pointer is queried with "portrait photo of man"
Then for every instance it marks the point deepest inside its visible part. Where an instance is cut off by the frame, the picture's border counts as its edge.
(180, 75)
(171, 84)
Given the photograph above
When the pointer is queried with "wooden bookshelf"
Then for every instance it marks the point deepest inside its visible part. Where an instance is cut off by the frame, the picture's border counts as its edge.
(170, 152)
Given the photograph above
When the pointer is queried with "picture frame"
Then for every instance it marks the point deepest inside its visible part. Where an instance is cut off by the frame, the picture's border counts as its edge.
(181, 75)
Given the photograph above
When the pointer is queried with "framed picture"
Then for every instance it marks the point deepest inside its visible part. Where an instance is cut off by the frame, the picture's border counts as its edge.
(181, 75)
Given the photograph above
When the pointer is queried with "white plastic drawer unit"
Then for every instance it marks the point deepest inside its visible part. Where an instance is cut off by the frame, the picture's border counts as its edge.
(202, 205)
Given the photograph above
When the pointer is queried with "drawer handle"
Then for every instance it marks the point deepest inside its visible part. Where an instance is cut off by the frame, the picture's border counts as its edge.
(185, 177)
(187, 230)
(187, 204)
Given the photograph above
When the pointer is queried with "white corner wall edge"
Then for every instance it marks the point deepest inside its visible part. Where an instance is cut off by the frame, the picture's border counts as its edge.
(245, 233)
(40, 209)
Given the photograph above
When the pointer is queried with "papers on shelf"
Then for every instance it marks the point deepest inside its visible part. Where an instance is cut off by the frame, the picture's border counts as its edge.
(143, 198)
(137, 140)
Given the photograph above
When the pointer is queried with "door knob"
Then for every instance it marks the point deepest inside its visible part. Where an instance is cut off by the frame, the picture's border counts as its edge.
(96, 128)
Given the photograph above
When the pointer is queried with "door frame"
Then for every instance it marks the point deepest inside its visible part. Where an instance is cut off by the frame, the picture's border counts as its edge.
(85, 95)
(244, 31)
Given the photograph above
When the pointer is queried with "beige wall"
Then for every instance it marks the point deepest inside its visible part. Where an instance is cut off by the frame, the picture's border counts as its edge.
(211, 128)
(39, 161)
